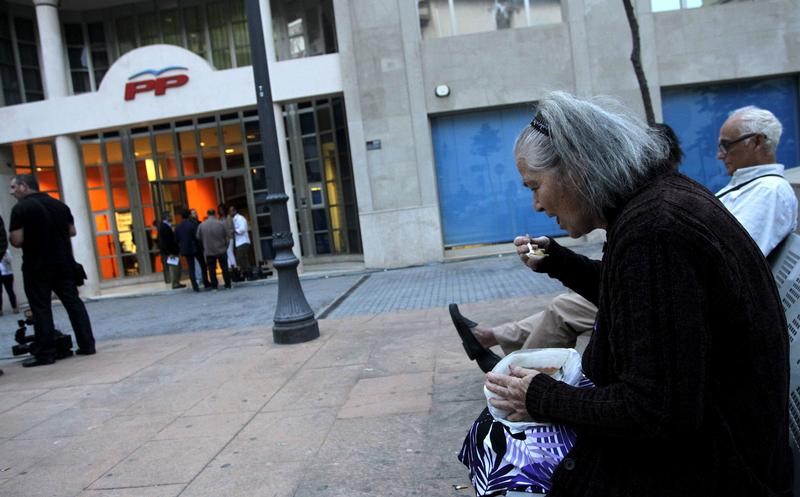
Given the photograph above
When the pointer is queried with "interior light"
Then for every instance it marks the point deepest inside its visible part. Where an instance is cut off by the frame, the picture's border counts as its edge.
(229, 150)
(136, 154)
(38, 169)
(202, 144)
(150, 166)
(251, 137)
(316, 188)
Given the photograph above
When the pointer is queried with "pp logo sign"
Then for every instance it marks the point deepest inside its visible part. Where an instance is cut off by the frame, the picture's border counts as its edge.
(158, 85)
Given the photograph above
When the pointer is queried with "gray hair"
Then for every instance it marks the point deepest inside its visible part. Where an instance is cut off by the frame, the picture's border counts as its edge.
(601, 155)
(753, 119)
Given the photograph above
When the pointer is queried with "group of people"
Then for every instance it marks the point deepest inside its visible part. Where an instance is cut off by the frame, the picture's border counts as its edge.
(219, 241)
(686, 372)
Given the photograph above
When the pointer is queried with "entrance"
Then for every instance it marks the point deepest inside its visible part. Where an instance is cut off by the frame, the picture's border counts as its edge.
(203, 194)
(134, 174)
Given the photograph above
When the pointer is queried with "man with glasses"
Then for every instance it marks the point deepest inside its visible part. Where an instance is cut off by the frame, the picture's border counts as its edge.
(757, 195)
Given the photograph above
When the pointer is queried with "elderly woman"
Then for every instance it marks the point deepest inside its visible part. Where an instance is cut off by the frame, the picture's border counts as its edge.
(689, 355)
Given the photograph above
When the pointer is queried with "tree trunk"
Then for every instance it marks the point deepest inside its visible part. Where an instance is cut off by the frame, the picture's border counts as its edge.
(637, 63)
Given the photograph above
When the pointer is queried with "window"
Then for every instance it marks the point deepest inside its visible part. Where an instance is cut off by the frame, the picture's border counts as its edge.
(195, 34)
(664, 5)
(218, 29)
(126, 34)
(38, 159)
(439, 18)
(87, 54)
(8, 68)
(303, 28)
(28, 59)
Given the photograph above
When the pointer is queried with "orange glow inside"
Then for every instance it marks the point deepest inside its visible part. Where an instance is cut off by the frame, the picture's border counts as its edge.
(47, 179)
(105, 245)
(201, 195)
(21, 157)
(98, 200)
(108, 268)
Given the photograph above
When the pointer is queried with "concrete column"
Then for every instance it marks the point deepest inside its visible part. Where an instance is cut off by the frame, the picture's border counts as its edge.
(269, 45)
(7, 202)
(54, 78)
(73, 187)
(54, 64)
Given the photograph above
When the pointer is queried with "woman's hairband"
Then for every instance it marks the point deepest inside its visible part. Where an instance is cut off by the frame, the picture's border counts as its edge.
(539, 125)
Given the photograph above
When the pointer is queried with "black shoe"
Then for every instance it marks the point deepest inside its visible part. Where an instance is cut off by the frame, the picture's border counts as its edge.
(485, 358)
(179, 285)
(91, 351)
(196, 289)
(38, 361)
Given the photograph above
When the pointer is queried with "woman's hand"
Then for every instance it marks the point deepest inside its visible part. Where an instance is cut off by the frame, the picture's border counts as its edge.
(511, 390)
(521, 243)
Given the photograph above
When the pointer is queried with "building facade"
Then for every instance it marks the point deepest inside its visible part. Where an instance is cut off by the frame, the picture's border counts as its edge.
(395, 119)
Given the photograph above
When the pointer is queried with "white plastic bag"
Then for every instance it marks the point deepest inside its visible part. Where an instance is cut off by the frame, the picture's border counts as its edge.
(567, 360)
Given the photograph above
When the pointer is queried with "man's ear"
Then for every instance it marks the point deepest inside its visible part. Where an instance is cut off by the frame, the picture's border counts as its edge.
(761, 140)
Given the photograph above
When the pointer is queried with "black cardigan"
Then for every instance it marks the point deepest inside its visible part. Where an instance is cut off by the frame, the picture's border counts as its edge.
(689, 357)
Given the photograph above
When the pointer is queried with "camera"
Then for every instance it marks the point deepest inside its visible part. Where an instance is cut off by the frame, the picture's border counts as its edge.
(26, 344)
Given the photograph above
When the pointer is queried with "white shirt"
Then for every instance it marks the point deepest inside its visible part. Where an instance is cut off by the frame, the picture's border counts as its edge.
(766, 207)
(5, 264)
(240, 230)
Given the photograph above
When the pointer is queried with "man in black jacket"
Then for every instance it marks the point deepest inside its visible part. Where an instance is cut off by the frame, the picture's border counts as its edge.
(42, 227)
(169, 248)
(187, 242)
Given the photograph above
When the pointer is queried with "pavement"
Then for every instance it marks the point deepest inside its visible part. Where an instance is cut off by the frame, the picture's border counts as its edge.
(188, 395)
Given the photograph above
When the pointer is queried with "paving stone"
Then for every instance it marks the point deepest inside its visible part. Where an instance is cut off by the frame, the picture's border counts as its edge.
(162, 462)
(238, 394)
(222, 425)
(315, 388)
(233, 480)
(157, 491)
(22, 418)
(12, 398)
(276, 437)
(69, 422)
(387, 395)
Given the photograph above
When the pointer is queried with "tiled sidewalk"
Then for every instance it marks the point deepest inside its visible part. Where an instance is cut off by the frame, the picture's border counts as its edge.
(189, 397)
(378, 405)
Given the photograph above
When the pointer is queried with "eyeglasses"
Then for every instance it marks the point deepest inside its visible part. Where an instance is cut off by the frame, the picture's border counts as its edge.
(725, 146)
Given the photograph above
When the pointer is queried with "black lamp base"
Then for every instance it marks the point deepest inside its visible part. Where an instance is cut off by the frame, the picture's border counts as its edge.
(299, 332)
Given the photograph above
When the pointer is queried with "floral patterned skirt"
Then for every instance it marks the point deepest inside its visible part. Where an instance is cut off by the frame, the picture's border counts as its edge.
(500, 461)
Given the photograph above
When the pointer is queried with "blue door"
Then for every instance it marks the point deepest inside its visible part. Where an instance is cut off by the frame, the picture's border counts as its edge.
(481, 196)
(697, 113)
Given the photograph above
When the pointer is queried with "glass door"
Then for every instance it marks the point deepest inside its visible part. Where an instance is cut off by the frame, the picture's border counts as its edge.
(233, 190)
(170, 196)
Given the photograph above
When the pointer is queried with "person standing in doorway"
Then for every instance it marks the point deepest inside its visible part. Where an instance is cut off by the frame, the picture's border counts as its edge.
(42, 227)
(241, 241)
(213, 236)
(227, 219)
(185, 235)
(169, 248)
(201, 260)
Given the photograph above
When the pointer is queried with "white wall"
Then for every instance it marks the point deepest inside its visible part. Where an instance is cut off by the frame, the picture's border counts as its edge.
(207, 91)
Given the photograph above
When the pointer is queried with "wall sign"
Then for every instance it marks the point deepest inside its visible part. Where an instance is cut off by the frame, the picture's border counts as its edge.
(158, 85)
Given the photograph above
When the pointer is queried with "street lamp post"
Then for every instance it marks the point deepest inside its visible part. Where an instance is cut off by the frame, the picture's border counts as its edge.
(294, 321)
